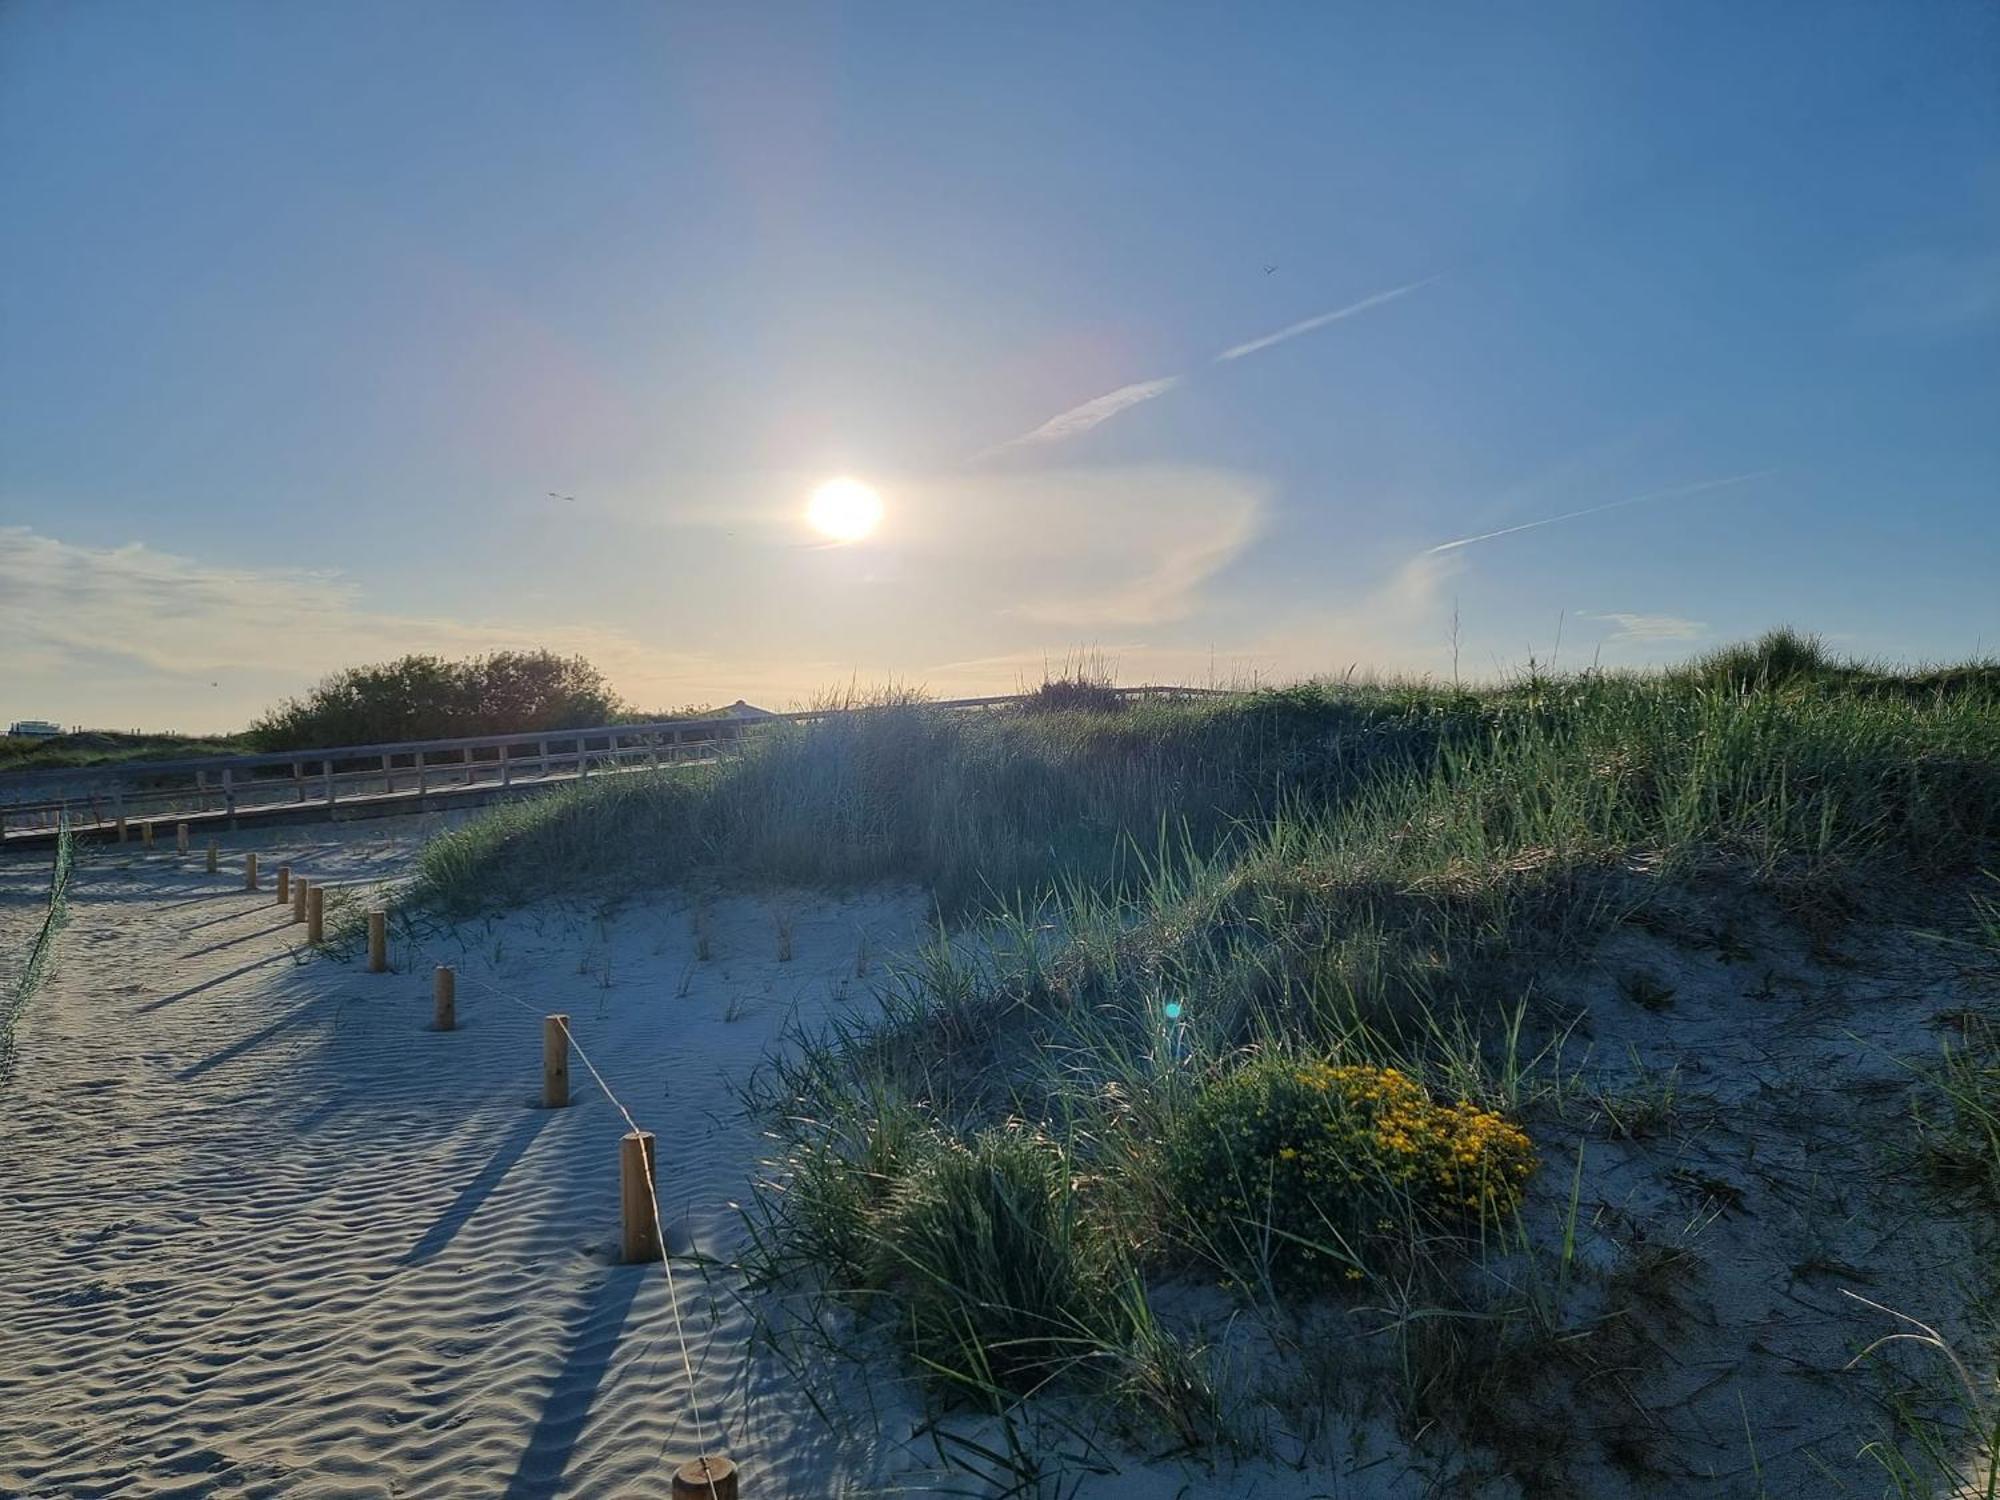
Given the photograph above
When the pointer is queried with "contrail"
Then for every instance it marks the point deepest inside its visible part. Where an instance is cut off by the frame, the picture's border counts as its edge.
(1239, 350)
(1594, 510)
(1083, 418)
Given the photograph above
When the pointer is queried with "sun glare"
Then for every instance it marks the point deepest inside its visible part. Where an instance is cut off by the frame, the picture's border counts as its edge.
(845, 510)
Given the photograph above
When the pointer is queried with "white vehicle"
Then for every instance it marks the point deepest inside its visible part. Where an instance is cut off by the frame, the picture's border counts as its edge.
(34, 729)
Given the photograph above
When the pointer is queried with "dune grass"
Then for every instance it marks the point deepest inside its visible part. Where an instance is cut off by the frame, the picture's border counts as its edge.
(100, 748)
(1061, 1107)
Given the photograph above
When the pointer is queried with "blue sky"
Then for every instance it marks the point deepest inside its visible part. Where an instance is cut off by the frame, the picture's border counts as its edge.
(304, 310)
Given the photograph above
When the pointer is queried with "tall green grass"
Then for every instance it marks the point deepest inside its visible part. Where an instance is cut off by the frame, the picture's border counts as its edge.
(1170, 893)
(981, 809)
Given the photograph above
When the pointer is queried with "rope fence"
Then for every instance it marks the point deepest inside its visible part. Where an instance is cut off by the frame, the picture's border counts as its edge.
(643, 1231)
(41, 951)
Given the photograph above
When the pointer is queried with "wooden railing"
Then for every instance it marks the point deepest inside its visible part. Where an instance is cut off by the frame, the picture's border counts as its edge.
(222, 786)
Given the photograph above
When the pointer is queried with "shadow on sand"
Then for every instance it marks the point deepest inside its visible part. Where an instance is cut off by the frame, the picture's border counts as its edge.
(475, 1192)
(590, 1339)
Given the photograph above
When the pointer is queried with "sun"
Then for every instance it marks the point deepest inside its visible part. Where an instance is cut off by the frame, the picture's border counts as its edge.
(844, 510)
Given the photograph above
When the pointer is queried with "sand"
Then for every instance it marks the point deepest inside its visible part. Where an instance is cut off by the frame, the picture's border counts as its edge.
(266, 1233)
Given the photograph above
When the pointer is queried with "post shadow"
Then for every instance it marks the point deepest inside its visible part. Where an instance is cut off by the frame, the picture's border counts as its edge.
(243, 1045)
(590, 1340)
(475, 1192)
(211, 983)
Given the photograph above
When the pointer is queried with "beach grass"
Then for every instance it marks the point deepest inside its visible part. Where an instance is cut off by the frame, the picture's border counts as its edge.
(1160, 923)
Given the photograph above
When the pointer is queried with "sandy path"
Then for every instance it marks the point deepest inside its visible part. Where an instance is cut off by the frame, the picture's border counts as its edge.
(265, 1232)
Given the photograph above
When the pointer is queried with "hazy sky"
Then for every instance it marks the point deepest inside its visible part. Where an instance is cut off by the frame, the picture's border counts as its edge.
(1217, 339)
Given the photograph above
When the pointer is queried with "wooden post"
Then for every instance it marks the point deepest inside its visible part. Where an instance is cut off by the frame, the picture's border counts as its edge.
(444, 998)
(250, 872)
(181, 838)
(146, 833)
(121, 828)
(326, 767)
(705, 1478)
(545, 759)
(641, 1237)
(315, 916)
(229, 794)
(378, 942)
(422, 781)
(284, 884)
(214, 856)
(299, 898)
(555, 1061)
(298, 781)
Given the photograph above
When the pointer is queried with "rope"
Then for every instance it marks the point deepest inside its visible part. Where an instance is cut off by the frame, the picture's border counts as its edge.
(652, 1184)
(652, 1189)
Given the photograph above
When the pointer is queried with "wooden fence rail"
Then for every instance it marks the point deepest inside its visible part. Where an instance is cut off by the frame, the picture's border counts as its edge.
(220, 788)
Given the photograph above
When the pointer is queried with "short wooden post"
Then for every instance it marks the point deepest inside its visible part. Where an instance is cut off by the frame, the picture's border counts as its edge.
(326, 768)
(214, 856)
(378, 942)
(641, 1238)
(284, 884)
(423, 780)
(250, 872)
(146, 833)
(315, 916)
(706, 1478)
(444, 998)
(299, 898)
(181, 838)
(121, 828)
(555, 1062)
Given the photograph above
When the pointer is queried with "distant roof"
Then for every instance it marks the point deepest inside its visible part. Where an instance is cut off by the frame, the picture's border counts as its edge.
(741, 710)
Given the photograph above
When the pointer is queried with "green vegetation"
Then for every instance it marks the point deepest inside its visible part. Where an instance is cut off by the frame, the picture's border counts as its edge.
(427, 697)
(41, 951)
(102, 747)
(1253, 995)
(1303, 1168)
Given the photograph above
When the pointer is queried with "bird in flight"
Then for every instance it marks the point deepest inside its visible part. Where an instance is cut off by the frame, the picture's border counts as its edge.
(554, 496)
(1269, 269)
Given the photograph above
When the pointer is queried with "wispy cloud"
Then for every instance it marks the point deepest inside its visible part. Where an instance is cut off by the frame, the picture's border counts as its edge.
(121, 634)
(1677, 492)
(1651, 627)
(1095, 548)
(1082, 418)
(1309, 325)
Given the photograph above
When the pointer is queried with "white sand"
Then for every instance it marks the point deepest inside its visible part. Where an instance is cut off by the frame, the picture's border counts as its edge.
(266, 1233)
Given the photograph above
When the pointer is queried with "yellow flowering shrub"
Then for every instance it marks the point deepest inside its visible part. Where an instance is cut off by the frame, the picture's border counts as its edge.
(1309, 1163)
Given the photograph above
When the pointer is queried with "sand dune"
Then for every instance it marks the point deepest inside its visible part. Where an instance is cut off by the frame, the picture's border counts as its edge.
(267, 1233)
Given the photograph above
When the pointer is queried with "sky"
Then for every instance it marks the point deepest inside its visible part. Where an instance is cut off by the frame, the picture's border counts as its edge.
(1207, 343)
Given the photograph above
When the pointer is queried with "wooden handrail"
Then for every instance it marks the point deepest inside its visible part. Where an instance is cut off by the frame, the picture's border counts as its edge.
(125, 770)
(128, 784)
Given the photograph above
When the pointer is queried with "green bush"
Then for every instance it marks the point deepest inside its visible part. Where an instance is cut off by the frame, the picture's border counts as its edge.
(427, 697)
(1000, 1284)
(1297, 1167)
